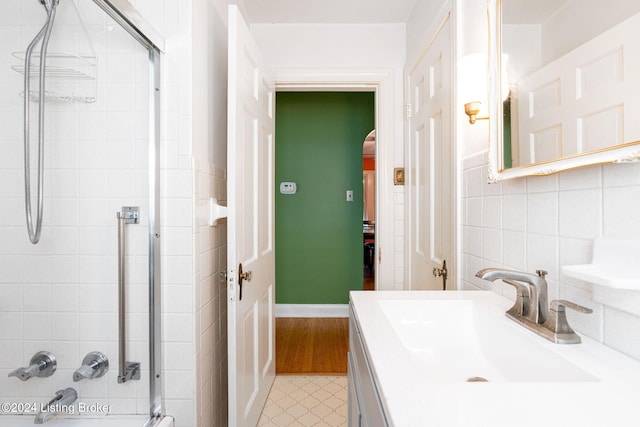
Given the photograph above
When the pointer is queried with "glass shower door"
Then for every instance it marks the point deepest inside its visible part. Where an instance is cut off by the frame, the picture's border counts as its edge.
(60, 297)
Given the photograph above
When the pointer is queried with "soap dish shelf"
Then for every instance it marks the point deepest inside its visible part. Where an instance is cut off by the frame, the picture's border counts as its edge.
(614, 264)
(602, 276)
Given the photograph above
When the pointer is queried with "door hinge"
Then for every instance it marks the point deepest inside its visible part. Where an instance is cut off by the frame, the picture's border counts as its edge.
(409, 111)
(231, 292)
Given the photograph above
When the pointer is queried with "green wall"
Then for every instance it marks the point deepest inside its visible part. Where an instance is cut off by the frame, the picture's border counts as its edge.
(319, 138)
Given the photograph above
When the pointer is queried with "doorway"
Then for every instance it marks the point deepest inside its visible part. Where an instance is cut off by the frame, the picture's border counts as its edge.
(369, 211)
(319, 209)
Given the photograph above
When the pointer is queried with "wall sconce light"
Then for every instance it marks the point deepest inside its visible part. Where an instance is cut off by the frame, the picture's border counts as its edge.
(472, 109)
(474, 85)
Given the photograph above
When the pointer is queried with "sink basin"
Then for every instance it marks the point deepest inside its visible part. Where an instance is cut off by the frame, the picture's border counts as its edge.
(458, 339)
(423, 347)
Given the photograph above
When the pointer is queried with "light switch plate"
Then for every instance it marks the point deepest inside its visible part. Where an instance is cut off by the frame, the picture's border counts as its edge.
(398, 176)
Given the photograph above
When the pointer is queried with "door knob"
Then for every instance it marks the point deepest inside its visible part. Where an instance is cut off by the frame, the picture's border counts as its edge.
(242, 276)
(246, 275)
(442, 272)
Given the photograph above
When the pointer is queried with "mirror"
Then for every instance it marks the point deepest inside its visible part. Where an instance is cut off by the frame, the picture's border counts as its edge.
(564, 85)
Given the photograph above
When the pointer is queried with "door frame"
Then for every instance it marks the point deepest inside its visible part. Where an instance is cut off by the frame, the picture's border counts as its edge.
(381, 82)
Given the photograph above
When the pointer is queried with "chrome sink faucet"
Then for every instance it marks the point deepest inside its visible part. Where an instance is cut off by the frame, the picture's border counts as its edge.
(531, 306)
(536, 310)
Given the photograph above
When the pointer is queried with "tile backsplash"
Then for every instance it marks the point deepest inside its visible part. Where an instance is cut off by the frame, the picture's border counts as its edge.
(547, 222)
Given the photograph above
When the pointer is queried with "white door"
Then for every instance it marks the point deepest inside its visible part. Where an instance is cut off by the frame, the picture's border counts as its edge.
(430, 167)
(250, 227)
(582, 101)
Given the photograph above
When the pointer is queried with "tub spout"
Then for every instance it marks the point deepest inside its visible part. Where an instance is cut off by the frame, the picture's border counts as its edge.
(61, 402)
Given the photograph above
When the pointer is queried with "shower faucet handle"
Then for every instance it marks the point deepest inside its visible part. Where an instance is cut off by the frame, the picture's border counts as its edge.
(42, 364)
(94, 365)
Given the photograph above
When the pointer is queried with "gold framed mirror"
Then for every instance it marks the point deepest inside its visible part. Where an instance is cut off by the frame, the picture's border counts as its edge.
(563, 86)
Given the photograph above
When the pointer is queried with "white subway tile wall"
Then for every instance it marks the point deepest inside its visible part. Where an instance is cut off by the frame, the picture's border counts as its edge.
(551, 221)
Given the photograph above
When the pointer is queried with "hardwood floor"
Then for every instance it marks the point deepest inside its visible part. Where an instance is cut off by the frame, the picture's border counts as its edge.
(312, 346)
(315, 346)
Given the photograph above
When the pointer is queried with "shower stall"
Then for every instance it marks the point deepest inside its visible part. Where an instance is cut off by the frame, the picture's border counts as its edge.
(79, 217)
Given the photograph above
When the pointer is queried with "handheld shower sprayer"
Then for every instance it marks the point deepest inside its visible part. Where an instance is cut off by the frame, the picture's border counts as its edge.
(43, 38)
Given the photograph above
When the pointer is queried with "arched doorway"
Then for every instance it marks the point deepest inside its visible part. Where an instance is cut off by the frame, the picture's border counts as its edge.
(369, 210)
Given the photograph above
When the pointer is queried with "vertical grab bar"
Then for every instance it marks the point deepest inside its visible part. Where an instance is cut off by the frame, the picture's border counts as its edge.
(126, 370)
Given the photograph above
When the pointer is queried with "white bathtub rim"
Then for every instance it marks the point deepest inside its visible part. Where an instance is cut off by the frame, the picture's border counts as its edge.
(106, 421)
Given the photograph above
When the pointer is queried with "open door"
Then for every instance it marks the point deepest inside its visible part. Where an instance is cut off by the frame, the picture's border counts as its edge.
(251, 260)
(430, 228)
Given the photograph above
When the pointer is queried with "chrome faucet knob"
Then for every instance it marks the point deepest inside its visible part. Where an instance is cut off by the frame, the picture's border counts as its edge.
(559, 305)
(42, 364)
(558, 324)
(94, 365)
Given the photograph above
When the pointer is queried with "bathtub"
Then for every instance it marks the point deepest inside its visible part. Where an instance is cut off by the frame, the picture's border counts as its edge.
(108, 421)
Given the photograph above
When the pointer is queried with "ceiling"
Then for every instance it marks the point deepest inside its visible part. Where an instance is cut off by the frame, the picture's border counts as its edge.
(328, 11)
(377, 11)
(529, 11)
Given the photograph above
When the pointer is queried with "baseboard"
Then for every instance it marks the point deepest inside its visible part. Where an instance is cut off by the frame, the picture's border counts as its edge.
(312, 310)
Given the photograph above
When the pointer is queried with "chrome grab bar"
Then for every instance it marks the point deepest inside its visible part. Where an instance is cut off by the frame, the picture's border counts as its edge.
(126, 370)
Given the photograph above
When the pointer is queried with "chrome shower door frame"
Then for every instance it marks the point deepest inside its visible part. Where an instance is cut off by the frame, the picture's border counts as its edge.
(131, 21)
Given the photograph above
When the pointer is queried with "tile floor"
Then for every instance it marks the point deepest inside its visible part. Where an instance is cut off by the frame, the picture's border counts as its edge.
(306, 401)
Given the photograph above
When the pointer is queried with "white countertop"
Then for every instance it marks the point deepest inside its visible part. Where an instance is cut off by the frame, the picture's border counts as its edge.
(612, 398)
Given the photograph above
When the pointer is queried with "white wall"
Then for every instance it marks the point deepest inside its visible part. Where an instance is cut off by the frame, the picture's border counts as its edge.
(471, 33)
(586, 19)
(546, 222)
(325, 46)
(422, 26)
(210, 162)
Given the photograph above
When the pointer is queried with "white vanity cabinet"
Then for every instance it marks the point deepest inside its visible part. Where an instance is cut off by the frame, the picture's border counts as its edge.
(365, 407)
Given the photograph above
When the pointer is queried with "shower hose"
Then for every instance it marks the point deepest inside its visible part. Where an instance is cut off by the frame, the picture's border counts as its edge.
(43, 35)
